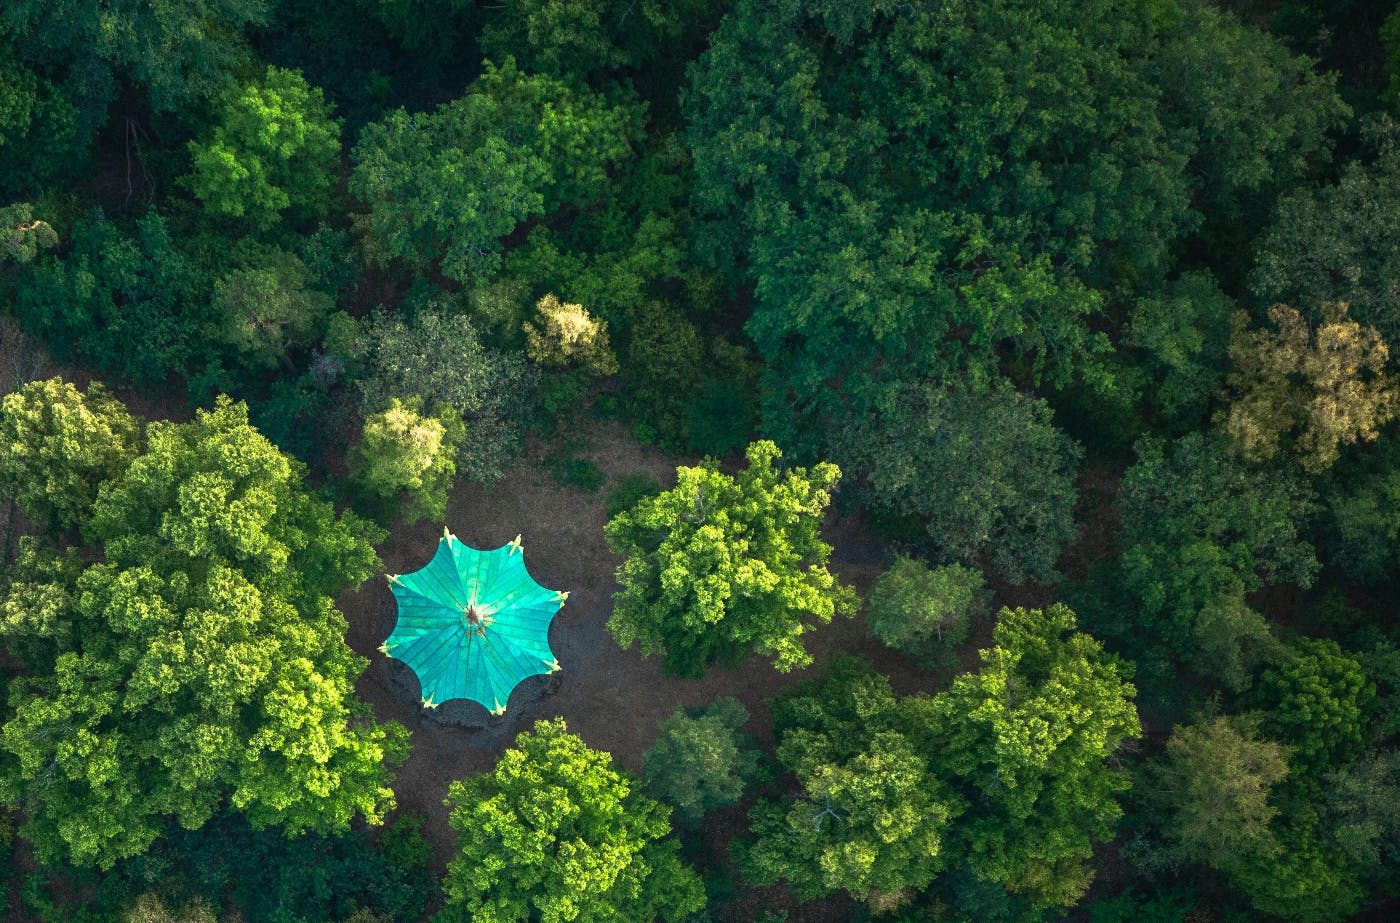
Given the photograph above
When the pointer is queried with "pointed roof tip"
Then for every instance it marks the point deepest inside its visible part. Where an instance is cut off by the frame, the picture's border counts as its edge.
(561, 597)
(386, 647)
(514, 546)
(393, 578)
(553, 664)
(429, 703)
(499, 709)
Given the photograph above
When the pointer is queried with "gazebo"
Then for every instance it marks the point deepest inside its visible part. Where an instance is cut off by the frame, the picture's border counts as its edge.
(472, 624)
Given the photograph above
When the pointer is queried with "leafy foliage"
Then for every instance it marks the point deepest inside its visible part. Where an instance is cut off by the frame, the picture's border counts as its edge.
(1338, 243)
(983, 468)
(914, 608)
(449, 184)
(22, 236)
(1199, 529)
(1331, 381)
(436, 356)
(566, 334)
(200, 661)
(274, 148)
(58, 445)
(1217, 776)
(871, 817)
(719, 563)
(1028, 740)
(555, 833)
(1317, 702)
(177, 49)
(404, 455)
(127, 304)
(701, 761)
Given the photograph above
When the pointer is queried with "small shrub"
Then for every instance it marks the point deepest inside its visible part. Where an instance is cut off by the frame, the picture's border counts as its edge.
(631, 490)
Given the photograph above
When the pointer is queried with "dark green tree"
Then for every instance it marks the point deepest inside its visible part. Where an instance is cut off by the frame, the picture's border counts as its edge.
(449, 184)
(133, 305)
(1339, 243)
(701, 760)
(435, 355)
(177, 49)
(1200, 529)
(982, 468)
(921, 610)
(871, 818)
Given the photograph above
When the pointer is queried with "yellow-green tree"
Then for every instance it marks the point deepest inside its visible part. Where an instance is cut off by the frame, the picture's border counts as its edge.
(57, 446)
(198, 663)
(407, 456)
(1330, 383)
(565, 334)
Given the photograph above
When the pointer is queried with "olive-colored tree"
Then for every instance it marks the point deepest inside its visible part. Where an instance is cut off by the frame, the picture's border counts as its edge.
(1331, 382)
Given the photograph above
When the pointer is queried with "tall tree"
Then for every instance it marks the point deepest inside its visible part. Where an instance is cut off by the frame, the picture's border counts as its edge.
(1200, 529)
(449, 184)
(434, 354)
(555, 833)
(404, 461)
(701, 760)
(132, 304)
(1215, 778)
(1027, 742)
(58, 445)
(719, 563)
(178, 49)
(200, 662)
(1340, 242)
(982, 468)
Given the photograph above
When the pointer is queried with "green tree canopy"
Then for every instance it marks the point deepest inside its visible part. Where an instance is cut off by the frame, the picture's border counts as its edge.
(718, 564)
(1340, 242)
(555, 833)
(199, 663)
(1318, 701)
(267, 306)
(449, 184)
(1215, 778)
(132, 304)
(178, 49)
(914, 608)
(433, 353)
(1027, 742)
(273, 148)
(871, 817)
(1199, 527)
(58, 445)
(983, 468)
(701, 760)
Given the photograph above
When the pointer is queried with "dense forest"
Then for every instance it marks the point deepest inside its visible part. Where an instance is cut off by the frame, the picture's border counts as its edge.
(968, 429)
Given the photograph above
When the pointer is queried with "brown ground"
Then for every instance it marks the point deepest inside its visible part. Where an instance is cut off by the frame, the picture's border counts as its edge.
(613, 699)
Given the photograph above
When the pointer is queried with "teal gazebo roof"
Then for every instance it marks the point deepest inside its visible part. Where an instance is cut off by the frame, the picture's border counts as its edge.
(472, 624)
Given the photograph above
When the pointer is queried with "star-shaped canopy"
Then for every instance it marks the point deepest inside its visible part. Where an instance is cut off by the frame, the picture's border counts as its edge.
(472, 624)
